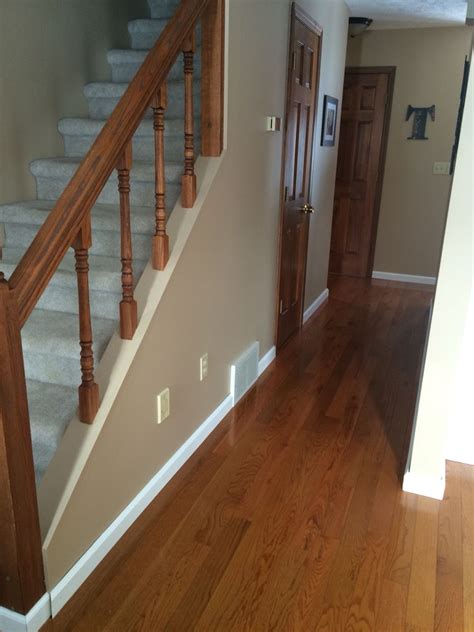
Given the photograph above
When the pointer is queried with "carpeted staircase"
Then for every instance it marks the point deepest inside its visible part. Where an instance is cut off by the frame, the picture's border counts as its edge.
(51, 335)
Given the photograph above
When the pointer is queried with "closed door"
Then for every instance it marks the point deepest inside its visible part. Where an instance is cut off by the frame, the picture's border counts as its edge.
(364, 128)
(303, 74)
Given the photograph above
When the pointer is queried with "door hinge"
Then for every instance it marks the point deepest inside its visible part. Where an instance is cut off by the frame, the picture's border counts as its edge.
(294, 60)
(281, 306)
(286, 194)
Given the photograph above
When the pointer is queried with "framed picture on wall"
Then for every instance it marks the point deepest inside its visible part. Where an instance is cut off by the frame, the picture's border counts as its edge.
(328, 133)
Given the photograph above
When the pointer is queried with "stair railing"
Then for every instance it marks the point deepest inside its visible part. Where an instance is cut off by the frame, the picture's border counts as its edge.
(69, 225)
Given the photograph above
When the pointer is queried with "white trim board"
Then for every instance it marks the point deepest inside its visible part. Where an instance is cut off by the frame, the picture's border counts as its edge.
(315, 305)
(38, 615)
(267, 359)
(66, 588)
(404, 278)
(424, 485)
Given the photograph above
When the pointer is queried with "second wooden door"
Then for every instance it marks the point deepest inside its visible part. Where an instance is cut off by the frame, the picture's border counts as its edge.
(364, 127)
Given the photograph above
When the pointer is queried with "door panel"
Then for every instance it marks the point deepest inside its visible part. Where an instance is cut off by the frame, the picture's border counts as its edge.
(358, 180)
(303, 72)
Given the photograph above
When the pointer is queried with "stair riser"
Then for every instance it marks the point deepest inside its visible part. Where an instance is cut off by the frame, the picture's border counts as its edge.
(61, 299)
(143, 147)
(163, 8)
(104, 243)
(102, 107)
(125, 72)
(142, 193)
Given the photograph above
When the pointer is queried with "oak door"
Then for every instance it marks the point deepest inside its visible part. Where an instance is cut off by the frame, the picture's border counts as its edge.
(364, 126)
(302, 88)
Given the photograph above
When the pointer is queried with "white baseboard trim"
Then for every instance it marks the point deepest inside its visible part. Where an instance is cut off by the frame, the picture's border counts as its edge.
(66, 588)
(404, 278)
(424, 485)
(267, 359)
(313, 308)
(13, 622)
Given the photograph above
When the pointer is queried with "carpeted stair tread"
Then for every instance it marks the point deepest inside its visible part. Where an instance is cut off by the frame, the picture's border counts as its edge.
(125, 63)
(104, 273)
(104, 216)
(145, 32)
(163, 8)
(55, 333)
(66, 167)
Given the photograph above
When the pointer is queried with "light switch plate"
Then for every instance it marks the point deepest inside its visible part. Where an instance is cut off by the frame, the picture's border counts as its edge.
(273, 123)
(164, 405)
(203, 366)
(441, 168)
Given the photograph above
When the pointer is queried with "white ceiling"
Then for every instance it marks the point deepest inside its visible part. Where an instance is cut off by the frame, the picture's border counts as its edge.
(410, 13)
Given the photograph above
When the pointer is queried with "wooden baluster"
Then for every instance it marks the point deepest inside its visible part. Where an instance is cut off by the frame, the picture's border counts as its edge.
(88, 390)
(21, 563)
(128, 305)
(188, 195)
(212, 78)
(160, 240)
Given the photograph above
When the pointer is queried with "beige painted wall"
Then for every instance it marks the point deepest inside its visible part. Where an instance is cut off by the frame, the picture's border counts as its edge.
(414, 201)
(221, 297)
(48, 50)
(449, 329)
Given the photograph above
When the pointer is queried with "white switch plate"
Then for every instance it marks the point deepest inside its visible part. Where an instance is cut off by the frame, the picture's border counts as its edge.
(164, 405)
(273, 123)
(441, 168)
(204, 366)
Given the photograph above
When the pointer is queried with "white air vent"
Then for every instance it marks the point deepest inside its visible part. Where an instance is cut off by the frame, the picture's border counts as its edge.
(244, 372)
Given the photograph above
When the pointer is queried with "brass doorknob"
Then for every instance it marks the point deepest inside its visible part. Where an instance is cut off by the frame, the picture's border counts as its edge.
(307, 208)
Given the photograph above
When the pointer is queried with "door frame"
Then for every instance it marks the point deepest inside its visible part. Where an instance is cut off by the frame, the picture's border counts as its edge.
(296, 13)
(391, 72)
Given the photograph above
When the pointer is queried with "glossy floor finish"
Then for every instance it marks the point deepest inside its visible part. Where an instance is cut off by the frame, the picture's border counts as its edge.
(291, 516)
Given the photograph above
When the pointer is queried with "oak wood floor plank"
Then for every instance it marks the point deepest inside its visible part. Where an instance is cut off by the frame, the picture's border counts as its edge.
(422, 587)
(467, 516)
(449, 609)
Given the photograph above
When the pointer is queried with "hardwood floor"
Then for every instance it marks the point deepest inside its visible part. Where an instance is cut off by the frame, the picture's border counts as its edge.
(291, 516)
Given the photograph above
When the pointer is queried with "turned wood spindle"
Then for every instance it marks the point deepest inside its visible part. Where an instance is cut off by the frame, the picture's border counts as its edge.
(160, 240)
(188, 195)
(88, 390)
(128, 305)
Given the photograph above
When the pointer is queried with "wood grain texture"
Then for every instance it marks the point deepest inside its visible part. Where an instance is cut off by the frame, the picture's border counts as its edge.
(128, 305)
(290, 518)
(21, 565)
(188, 181)
(88, 389)
(212, 78)
(161, 247)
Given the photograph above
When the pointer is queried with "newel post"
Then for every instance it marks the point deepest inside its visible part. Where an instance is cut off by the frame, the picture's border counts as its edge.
(212, 78)
(21, 566)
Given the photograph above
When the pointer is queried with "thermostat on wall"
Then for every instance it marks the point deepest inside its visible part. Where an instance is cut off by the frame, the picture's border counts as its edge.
(273, 123)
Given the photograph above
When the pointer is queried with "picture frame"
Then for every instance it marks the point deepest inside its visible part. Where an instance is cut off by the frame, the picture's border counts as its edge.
(329, 126)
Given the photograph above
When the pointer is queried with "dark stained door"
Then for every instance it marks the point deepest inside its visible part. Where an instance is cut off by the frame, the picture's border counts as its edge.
(359, 171)
(303, 75)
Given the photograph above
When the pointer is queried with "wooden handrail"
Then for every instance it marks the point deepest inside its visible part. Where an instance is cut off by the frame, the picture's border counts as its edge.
(56, 235)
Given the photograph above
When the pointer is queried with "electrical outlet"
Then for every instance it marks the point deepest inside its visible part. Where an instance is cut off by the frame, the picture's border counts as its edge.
(164, 405)
(204, 366)
(441, 168)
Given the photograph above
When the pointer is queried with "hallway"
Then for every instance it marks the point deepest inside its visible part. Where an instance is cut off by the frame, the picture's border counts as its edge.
(291, 515)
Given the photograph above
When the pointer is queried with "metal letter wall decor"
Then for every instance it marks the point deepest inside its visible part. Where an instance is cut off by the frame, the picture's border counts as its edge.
(419, 121)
